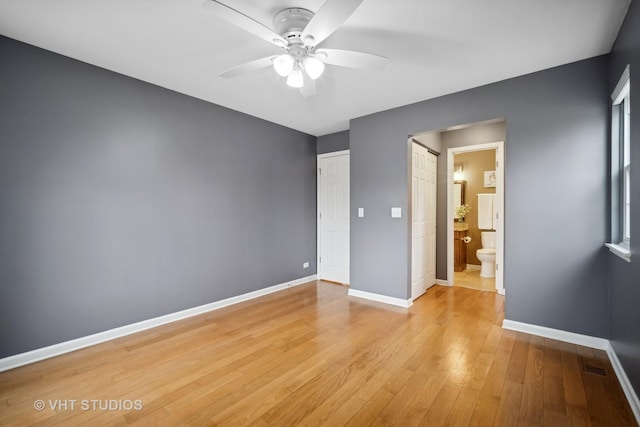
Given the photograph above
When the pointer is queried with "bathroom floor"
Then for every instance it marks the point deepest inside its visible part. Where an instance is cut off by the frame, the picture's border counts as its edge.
(470, 278)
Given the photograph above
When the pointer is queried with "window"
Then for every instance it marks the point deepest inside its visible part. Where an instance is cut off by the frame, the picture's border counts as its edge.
(621, 168)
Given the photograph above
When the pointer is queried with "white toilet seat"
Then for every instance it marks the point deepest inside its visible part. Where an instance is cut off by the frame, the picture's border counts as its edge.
(486, 251)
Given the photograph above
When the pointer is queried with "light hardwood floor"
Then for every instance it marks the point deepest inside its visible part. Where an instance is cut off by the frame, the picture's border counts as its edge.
(471, 279)
(311, 355)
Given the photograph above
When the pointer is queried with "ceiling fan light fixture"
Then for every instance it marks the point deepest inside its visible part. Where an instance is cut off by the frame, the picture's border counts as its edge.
(313, 66)
(295, 78)
(298, 32)
(283, 64)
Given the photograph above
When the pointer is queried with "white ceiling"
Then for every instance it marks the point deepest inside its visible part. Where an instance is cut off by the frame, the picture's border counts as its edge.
(435, 47)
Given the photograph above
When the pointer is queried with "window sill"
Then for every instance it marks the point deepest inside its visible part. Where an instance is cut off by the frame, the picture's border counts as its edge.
(620, 250)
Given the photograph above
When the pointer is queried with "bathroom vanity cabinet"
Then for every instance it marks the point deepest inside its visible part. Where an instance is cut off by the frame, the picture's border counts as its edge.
(460, 247)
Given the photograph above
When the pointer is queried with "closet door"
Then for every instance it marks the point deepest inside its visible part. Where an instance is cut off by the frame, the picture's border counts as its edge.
(423, 220)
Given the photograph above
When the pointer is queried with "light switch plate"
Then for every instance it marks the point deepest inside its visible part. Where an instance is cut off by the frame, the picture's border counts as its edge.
(396, 212)
(360, 212)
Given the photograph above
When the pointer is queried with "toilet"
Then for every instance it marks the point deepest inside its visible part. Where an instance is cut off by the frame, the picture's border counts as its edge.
(487, 255)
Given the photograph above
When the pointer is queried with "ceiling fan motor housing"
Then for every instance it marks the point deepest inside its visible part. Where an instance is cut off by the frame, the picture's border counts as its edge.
(290, 23)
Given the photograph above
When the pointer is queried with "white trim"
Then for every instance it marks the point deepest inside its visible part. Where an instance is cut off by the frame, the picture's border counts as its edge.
(334, 154)
(406, 303)
(622, 87)
(585, 341)
(627, 388)
(556, 334)
(32, 356)
(442, 282)
(500, 158)
(620, 250)
(318, 231)
(474, 267)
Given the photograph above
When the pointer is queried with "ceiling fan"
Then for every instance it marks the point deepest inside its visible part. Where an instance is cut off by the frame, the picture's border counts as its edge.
(299, 32)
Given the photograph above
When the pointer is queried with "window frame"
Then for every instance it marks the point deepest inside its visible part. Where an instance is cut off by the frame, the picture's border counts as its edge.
(621, 168)
(626, 169)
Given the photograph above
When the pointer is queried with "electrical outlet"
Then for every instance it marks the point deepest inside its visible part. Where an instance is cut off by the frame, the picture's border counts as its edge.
(396, 212)
(305, 265)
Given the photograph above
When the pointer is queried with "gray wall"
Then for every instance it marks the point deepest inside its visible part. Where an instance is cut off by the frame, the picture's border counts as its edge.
(122, 201)
(556, 170)
(481, 133)
(625, 282)
(333, 142)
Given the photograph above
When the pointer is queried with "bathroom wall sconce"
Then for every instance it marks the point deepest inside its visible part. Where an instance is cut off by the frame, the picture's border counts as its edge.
(458, 174)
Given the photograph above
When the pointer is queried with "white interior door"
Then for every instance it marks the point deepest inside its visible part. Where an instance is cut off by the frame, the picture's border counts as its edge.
(423, 220)
(333, 218)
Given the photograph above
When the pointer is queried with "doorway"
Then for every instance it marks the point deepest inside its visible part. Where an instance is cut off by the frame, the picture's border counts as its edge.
(333, 217)
(495, 178)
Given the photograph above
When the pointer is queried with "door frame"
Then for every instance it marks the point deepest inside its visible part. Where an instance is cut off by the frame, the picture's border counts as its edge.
(318, 178)
(500, 158)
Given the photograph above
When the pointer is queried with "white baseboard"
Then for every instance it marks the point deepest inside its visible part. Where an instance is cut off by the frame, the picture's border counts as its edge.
(557, 334)
(627, 388)
(380, 298)
(474, 267)
(21, 359)
(586, 341)
(442, 282)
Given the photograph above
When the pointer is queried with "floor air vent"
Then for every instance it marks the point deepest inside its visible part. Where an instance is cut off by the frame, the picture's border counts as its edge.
(594, 366)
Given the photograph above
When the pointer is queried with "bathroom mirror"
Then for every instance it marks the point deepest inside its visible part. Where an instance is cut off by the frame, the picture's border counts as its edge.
(458, 192)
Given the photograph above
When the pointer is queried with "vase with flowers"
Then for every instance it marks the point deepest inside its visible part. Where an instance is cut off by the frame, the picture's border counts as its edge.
(462, 211)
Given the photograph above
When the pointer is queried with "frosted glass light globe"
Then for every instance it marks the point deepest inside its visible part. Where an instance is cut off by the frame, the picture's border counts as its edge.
(295, 78)
(283, 64)
(313, 66)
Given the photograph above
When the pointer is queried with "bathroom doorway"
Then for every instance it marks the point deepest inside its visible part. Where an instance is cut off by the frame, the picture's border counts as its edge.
(476, 181)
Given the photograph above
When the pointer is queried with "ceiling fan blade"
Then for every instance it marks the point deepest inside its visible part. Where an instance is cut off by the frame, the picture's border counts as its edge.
(352, 59)
(308, 88)
(248, 67)
(328, 18)
(244, 22)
